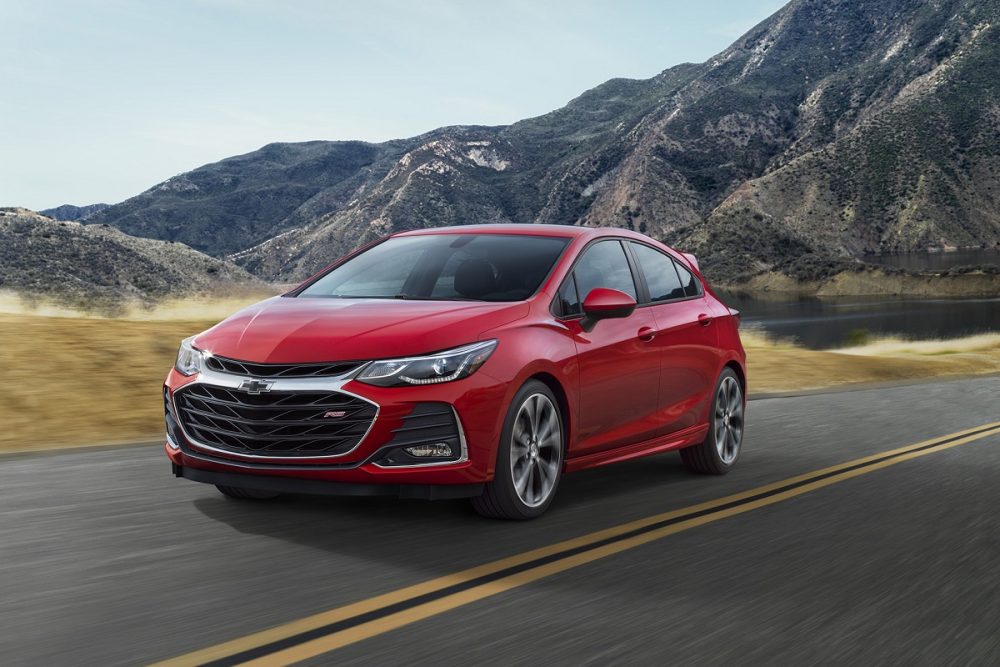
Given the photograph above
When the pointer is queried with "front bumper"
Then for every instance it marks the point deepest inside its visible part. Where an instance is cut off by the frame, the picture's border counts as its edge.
(475, 400)
(324, 487)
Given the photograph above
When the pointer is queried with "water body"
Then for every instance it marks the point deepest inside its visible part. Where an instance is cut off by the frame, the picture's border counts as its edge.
(936, 261)
(832, 322)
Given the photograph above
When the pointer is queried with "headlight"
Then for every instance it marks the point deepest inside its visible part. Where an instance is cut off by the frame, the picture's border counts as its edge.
(434, 368)
(188, 358)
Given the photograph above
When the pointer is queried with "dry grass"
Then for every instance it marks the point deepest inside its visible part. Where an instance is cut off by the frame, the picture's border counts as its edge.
(776, 366)
(73, 381)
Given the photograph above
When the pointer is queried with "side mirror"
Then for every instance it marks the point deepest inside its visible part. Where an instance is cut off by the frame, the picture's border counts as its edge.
(605, 304)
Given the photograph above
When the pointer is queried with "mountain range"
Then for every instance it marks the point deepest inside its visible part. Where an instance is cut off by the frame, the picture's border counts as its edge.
(831, 130)
(71, 212)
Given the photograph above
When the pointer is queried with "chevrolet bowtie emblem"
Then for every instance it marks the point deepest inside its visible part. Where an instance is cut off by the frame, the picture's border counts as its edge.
(256, 386)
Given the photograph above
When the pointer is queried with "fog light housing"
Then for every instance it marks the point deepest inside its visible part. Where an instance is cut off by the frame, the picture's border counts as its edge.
(434, 450)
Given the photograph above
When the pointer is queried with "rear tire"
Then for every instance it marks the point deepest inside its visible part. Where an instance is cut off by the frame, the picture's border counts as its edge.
(724, 441)
(240, 493)
(529, 458)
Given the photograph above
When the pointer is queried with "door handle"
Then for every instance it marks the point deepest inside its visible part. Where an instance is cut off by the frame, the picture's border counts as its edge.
(704, 319)
(647, 334)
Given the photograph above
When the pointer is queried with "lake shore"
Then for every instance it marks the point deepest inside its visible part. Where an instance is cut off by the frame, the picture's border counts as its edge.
(872, 281)
(79, 381)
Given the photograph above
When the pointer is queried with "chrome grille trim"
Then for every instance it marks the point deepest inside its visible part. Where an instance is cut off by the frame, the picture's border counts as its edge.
(304, 385)
(332, 369)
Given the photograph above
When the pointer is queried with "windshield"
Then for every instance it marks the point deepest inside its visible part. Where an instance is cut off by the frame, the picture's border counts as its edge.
(446, 267)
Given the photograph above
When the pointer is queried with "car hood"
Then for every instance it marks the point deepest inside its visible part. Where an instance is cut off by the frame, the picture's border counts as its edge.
(285, 330)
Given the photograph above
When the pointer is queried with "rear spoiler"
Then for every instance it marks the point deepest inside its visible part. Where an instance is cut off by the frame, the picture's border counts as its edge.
(691, 258)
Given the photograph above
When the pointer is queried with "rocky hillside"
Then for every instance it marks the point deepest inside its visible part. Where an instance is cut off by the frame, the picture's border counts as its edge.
(833, 129)
(99, 267)
(70, 212)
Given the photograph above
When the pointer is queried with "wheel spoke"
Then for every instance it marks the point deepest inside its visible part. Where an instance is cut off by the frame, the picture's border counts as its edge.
(550, 424)
(536, 410)
(543, 473)
(527, 429)
(549, 444)
(521, 480)
(532, 491)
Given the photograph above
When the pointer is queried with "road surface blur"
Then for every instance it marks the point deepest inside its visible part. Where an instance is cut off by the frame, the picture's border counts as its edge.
(106, 559)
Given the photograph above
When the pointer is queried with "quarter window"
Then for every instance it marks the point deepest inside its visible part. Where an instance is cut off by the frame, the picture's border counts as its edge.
(692, 287)
(569, 302)
(660, 272)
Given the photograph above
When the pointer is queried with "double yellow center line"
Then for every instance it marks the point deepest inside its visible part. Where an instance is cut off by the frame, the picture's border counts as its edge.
(314, 635)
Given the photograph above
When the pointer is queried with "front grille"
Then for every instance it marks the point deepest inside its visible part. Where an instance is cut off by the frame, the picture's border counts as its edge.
(234, 367)
(276, 423)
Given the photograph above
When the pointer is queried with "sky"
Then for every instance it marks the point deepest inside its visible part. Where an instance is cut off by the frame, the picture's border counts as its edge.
(101, 99)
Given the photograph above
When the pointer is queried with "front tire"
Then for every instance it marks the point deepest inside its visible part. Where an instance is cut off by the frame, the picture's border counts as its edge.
(529, 459)
(240, 493)
(722, 445)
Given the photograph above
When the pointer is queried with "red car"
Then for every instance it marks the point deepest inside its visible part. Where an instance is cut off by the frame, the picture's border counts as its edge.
(475, 361)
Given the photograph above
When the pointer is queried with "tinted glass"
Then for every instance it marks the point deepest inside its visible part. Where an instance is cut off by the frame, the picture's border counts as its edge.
(604, 265)
(483, 267)
(568, 302)
(691, 285)
(661, 276)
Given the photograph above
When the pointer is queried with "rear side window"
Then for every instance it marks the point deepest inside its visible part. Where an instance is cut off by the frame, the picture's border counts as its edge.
(660, 272)
(692, 286)
(604, 264)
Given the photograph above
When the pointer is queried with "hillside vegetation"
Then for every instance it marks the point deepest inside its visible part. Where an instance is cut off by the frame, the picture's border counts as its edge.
(97, 267)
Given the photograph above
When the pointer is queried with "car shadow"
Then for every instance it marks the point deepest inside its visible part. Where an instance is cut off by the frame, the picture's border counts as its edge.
(442, 536)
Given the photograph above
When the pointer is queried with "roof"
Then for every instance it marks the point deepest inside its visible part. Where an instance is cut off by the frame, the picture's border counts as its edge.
(510, 228)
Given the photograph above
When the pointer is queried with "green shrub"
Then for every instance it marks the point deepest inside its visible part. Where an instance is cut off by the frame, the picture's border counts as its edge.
(857, 338)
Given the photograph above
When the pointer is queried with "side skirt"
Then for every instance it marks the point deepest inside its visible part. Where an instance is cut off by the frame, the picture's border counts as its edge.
(679, 440)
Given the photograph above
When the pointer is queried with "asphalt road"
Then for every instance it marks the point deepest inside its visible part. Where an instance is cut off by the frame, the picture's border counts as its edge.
(106, 559)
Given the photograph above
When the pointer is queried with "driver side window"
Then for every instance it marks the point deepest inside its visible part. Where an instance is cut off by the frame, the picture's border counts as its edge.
(604, 265)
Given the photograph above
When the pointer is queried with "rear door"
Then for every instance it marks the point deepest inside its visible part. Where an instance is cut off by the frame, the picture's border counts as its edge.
(619, 370)
(686, 340)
